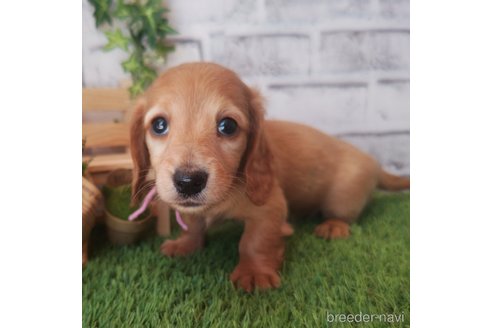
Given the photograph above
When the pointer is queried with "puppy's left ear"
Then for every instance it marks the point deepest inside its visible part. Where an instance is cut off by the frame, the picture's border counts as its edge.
(139, 151)
(258, 158)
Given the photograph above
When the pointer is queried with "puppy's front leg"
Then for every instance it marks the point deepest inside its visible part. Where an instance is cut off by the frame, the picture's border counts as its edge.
(189, 241)
(261, 252)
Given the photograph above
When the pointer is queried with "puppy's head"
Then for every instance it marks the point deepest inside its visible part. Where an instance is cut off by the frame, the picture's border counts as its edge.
(201, 130)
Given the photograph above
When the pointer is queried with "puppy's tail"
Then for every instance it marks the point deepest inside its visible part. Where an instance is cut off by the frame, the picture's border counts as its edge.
(392, 182)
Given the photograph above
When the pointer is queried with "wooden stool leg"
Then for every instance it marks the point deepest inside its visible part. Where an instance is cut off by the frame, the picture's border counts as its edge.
(163, 219)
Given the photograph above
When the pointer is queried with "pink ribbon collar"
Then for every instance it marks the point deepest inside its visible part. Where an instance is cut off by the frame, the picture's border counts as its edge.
(146, 203)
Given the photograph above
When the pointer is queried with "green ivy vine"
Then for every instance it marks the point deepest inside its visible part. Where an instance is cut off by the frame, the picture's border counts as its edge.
(140, 28)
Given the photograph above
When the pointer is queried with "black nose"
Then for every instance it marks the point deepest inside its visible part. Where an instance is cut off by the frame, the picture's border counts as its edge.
(189, 183)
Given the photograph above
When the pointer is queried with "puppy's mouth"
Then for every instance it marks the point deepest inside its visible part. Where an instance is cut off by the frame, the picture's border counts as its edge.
(189, 203)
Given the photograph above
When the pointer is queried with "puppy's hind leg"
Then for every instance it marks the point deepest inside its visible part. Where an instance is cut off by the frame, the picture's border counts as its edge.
(343, 204)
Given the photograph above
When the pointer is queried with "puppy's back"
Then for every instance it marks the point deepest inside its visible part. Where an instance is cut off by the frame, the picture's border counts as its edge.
(307, 161)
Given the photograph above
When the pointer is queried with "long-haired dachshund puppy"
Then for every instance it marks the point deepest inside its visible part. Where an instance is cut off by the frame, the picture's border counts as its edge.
(202, 133)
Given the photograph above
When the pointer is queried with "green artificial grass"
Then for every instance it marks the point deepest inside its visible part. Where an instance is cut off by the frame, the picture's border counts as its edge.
(369, 273)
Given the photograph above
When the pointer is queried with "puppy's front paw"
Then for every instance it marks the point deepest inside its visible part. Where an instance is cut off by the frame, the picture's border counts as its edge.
(249, 278)
(333, 229)
(180, 247)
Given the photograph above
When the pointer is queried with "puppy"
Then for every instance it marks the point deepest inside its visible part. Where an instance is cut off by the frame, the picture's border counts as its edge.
(202, 133)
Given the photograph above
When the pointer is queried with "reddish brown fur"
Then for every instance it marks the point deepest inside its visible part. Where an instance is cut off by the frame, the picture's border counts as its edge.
(254, 176)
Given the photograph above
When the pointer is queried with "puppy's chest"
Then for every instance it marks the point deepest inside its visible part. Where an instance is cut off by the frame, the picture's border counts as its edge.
(217, 217)
(234, 208)
(214, 220)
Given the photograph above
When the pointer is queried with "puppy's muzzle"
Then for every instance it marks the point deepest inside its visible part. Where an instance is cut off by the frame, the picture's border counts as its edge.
(189, 183)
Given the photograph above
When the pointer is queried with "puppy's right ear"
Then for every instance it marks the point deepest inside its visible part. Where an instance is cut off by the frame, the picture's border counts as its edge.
(139, 151)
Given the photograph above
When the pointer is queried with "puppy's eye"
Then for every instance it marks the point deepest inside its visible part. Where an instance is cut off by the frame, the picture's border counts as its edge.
(227, 126)
(159, 126)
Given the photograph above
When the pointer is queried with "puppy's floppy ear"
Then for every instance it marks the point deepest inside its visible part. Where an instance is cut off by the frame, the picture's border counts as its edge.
(139, 151)
(258, 158)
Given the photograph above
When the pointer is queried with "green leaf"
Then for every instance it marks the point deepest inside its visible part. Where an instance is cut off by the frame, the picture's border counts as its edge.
(122, 10)
(149, 15)
(101, 11)
(150, 26)
(167, 29)
(148, 75)
(136, 88)
(116, 39)
(162, 49)
(142, 79)
(132, 64)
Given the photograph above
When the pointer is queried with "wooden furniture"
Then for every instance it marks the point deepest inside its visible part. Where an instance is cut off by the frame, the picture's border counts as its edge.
(106, 143)
(107, 135)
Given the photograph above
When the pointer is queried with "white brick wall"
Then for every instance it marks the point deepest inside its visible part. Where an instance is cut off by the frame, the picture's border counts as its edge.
(339, 65)
(262, 55)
